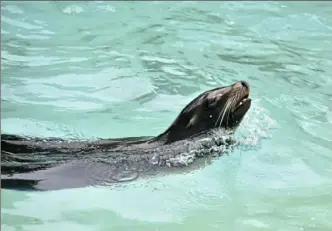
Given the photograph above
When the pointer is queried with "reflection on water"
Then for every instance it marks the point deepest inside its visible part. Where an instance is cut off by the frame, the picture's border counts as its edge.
(114, 69)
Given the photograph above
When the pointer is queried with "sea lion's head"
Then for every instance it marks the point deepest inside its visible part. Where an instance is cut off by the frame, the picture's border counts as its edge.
(223, 107)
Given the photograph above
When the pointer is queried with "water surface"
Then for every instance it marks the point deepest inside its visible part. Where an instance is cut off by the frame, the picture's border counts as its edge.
(116, 69)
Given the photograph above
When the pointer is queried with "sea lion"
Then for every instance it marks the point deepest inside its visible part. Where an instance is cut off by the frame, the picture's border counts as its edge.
(54, 163)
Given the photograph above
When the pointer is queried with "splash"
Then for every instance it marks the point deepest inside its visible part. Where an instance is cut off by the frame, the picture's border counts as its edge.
(255, 127)
(213, 144)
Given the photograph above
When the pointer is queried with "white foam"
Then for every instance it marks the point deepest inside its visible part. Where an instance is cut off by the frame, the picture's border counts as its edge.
(255, 126)
(73, 9)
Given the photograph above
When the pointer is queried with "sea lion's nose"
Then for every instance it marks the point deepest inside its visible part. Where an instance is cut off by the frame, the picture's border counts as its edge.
(244, 84)
(241, 84)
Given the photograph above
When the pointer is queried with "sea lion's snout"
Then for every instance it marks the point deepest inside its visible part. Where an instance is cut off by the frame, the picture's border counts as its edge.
(243, 85)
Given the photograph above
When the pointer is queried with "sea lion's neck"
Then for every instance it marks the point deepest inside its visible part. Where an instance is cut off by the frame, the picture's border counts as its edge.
(148, 142)
(175, 132)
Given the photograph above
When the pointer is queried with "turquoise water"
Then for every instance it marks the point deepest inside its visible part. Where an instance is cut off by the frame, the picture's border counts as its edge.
(112, 69)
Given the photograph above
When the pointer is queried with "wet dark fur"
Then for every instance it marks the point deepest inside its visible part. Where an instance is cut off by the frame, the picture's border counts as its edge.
(54, 163)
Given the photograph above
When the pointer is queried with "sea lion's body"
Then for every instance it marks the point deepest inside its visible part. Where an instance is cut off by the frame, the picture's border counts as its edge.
(53, 163)
(82, 163)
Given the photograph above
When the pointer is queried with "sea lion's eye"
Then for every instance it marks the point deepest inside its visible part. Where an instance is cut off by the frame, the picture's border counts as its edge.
(212, 102)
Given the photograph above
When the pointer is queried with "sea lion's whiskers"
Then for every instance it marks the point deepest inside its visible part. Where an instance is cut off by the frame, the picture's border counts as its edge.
(235, 98)
(220, 113)
(224, 111)
(229, 111)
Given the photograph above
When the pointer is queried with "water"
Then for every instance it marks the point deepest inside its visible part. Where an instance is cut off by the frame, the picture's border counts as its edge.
(112, 69)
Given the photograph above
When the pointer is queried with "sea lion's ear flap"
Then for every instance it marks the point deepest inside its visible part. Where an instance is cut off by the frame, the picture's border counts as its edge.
(192, 121)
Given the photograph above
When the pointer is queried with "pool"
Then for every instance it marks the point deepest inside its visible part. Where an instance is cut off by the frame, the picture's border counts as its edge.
(118, 69)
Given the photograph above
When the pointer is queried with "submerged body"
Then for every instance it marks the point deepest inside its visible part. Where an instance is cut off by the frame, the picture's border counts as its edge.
(198, 131)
